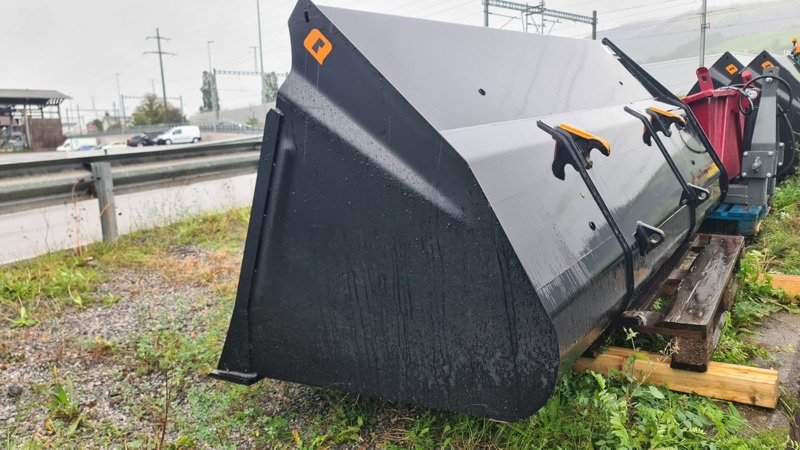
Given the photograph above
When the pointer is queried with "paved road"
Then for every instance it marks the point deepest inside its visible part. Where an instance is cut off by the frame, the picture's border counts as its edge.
(11, 158)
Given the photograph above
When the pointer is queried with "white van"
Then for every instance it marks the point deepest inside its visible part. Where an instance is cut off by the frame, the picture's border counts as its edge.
(180, 135)
(72, 144)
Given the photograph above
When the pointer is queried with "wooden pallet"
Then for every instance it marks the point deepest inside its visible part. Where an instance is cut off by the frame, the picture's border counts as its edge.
(742, 384)
(689, 299)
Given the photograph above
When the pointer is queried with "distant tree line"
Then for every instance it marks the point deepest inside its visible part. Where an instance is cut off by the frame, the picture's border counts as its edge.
(151, 112)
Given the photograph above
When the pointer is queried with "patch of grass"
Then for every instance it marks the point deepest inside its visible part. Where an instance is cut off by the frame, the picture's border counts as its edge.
(213, 231)
(51, 282)
(587, 410)
(779, 240)
(170, 348)
(220, 414)
(101, 348)
(33, 290)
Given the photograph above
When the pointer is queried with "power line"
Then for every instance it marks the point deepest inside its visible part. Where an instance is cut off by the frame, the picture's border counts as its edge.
(527, 10)
(627, 17)
(717, 28)
(446, 9)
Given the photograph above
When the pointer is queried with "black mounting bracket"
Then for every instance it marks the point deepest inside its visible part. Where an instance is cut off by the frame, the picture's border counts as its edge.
(648, 237)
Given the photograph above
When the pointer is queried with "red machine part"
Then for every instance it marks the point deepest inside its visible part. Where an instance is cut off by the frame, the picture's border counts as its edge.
(720, 115)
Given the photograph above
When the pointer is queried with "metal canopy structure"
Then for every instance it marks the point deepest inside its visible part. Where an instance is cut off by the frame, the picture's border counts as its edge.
(31, 118)
(527, 10)
(38, 97)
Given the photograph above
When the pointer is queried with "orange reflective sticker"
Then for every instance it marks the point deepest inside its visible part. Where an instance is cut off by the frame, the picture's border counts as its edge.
(318, 45)
(767, 63)
(731, 68)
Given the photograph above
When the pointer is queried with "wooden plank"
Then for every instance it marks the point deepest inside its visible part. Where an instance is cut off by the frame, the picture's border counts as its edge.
(789, 283)
(698, 297)
(741, 384)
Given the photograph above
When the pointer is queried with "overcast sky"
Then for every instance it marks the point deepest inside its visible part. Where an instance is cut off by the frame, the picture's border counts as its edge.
(78, 46)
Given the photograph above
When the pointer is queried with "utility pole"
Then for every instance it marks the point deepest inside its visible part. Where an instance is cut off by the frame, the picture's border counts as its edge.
(66, 111)
(160, 53)
(261, 52)
(78, 114)
(255, 58)
(213, 75)
(153, 86)
(208, 46)
(703, 26)
(121, 105)
(485, 13)
(594, 25)
(541, 5)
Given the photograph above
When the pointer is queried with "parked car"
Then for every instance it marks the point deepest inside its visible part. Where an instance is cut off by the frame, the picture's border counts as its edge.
(77, 143)
(143, 139)
(180, 135)
(15, 142)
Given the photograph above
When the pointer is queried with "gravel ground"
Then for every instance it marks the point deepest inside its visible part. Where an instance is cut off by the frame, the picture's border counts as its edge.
(105, 381)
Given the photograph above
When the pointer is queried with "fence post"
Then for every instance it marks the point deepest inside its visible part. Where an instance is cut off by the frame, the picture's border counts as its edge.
(104, 189)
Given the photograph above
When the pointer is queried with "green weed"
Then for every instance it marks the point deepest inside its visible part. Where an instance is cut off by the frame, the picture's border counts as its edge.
(23, 320)
(63, 406)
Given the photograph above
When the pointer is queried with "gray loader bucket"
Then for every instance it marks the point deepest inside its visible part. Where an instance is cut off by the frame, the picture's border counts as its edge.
(448, 215)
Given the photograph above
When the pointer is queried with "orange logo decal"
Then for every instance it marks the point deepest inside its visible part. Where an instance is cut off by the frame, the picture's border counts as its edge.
(767, 63)
(318, 45)
(732, 69)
